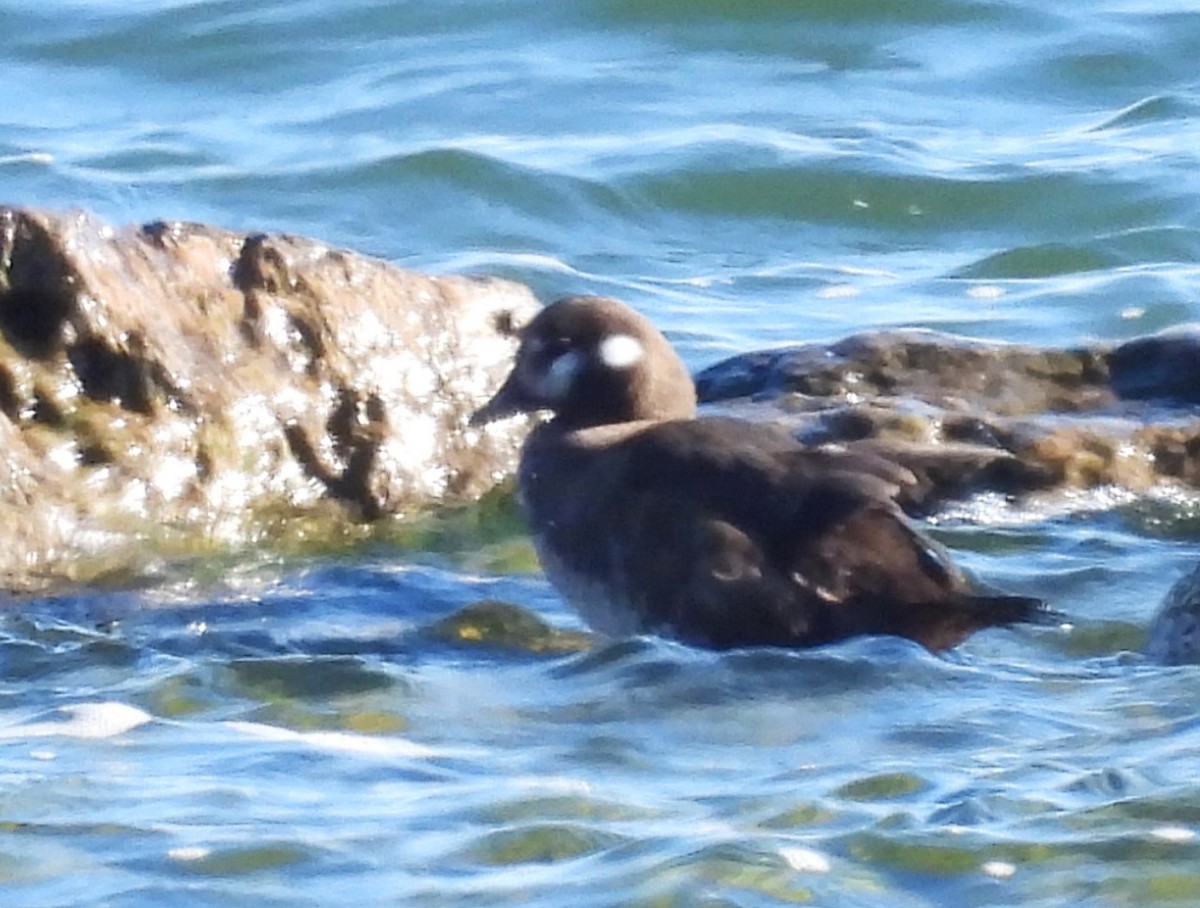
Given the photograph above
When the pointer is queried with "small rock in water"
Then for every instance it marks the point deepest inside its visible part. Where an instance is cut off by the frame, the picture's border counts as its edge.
(502, 624)
(1159, 366)
(1175, 631)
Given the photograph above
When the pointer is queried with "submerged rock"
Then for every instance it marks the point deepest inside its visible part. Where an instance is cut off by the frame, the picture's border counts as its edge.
(179, 378)
(503, 625)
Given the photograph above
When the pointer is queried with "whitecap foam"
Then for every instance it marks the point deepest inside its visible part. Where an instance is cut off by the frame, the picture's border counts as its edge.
(805, 860)
(82, 720)
(189, 853)
(345, 742)
(1000, 870)
(1173, 834)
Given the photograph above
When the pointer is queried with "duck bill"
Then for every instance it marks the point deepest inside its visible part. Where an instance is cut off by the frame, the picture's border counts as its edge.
(508, 401)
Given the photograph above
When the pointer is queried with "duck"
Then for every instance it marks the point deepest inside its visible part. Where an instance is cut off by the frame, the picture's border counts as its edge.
(713, 531)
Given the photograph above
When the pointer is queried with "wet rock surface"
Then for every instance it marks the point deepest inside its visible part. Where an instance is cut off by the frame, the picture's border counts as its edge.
(967, 415)
(179, 379)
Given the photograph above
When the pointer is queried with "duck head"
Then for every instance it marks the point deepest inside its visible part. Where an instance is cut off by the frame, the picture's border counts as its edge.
(591, 361)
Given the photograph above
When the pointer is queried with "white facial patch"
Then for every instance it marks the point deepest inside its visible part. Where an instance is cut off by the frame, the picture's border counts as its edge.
(556, 382)
(621, 351)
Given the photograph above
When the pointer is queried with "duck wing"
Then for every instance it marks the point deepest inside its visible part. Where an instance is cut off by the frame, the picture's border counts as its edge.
(733, 534)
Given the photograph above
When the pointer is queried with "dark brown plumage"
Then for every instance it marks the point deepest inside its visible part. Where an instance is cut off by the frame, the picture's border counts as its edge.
(718, 532)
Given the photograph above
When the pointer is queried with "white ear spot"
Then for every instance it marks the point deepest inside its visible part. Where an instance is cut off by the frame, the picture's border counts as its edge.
(620, 351)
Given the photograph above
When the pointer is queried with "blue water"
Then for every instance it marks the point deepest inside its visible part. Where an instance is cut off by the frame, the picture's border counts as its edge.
(282, 730)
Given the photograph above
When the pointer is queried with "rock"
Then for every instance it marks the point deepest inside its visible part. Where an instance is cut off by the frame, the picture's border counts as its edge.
(502, 625)
(1161, 366)
(177, 385)
(182, 379)
(1175, 631)
(923, 365)
(967, 415)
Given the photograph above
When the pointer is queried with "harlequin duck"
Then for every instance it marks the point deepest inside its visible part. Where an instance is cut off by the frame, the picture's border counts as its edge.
(718, 532)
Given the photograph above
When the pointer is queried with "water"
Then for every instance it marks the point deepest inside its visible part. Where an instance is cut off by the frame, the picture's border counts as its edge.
(266, 729)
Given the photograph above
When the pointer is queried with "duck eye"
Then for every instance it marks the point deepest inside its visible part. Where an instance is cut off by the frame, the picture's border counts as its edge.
(554, 347)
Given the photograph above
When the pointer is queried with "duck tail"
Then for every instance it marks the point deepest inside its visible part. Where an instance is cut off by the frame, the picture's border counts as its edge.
(1001, 610)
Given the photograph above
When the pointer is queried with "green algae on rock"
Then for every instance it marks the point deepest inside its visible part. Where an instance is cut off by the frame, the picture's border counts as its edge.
(503, 625)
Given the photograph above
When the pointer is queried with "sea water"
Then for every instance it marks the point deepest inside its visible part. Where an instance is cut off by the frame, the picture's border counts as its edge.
(270, 729)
